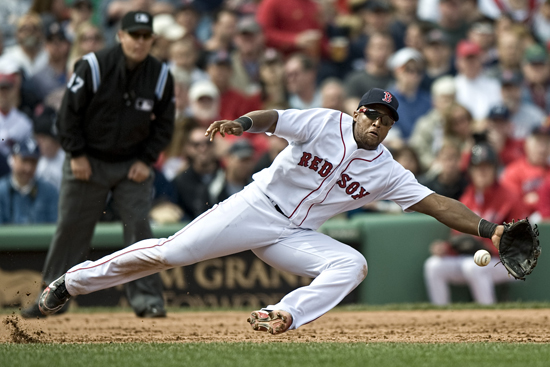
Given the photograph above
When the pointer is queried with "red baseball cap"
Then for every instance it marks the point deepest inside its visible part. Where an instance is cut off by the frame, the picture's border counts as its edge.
(467, 48)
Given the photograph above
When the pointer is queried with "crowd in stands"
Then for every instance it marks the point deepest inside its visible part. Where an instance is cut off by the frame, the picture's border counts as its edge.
(467, 73)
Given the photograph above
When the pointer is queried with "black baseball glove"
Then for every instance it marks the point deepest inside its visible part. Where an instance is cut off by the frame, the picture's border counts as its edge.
(519, 248)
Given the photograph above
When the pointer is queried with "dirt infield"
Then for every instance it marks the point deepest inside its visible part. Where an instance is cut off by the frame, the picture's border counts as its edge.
(337, 326)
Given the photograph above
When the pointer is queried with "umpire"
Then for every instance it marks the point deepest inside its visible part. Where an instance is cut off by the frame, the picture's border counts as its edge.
(117, 115)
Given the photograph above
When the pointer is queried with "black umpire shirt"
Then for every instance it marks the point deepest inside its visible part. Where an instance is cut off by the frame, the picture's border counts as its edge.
(113, 114)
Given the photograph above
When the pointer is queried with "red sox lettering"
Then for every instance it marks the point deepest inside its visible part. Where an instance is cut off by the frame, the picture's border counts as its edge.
(345, 180)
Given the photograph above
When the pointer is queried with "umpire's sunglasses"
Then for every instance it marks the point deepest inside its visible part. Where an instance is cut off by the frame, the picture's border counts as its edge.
(374, 115)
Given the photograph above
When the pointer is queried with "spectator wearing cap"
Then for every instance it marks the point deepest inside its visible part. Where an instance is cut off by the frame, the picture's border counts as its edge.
(536, 72)
(404, 15)
(427, 135)
(438, 58)
(525, 175)
(451, 260)
(475, 91)
(499, 133)
(54, 75)
(167, 31)
(204, 102)
(224, 29)
(24, 198)
(239, 164)
(233, 103)
(80, 11)
(525, 116)
(50, 164)
(245, 59)
(183, 55)
(408, 69)
(375, 72)
(452, 21)
(117, 115)
(482, 32)
(14, 125)
(29, 53)
(292, 26)
(300, 79)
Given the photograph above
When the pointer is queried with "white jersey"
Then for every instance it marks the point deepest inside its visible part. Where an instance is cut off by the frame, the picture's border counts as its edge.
(322, 172)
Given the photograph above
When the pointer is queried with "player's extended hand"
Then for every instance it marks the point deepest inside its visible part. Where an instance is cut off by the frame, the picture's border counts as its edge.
(497, 235)
(81, 168)
(139, 172)
(224, 127)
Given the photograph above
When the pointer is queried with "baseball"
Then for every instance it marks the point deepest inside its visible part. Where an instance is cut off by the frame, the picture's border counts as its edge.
(482, 257)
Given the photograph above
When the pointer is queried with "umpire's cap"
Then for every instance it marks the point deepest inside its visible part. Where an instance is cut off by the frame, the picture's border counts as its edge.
(137, 21)
(483, 153)
(380, 96)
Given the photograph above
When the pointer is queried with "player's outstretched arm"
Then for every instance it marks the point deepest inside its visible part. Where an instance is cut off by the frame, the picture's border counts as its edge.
(254, 122)
(454, 214)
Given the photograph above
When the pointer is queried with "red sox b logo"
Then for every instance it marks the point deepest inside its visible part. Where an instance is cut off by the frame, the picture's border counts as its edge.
(387, 97)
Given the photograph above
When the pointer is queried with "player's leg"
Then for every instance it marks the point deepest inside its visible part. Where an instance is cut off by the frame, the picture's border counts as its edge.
(439, 273)
(482, 279)
(336, 267)
(132, 201)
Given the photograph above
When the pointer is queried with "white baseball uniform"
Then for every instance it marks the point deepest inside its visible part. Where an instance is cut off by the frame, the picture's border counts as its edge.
(320, 174)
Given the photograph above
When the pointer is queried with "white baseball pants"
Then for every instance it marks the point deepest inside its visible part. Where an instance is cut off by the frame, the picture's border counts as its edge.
(245, 221)
(440, 272)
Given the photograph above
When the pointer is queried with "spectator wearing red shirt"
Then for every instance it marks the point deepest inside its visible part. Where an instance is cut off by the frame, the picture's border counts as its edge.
(452, 261)
(526, 175)
(499, 134)
(292, 25)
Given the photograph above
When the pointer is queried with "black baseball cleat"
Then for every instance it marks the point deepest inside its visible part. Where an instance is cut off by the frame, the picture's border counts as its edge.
(152, 312)
(54, 297)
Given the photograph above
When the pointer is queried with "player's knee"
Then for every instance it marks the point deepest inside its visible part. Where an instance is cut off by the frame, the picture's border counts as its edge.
(359, 265)
(433, 266)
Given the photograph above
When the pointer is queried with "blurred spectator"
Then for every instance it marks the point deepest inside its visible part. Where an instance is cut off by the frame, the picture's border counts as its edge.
(10, 12)
(537, 77)
(333, 95)
(427, 135)
(376, 17)
(301, 76)
(375, 73)
(525, 175)
(173, 159)
(525, 116)
(167, 31)
(232, 103)
(29, 52)
(24, 198)
(509, 46)
(273, 93)
(482, 32)
(164, 209)
(239, 165)
(445, 176)
(451, 261)
(200, 186)
(50, 164)
(15, 126)
(50, 11)
(1, 43)
(475, 91)
(249, 42)
(407, 157)
(457, 126)
(404, 14)
(54, 74)
(415, 35)
(88, 38)
(292, 25)
(181, 94)
(224, 30)
(438, 58)
(275, 146)
(204, 102)
(519, 11)
(80, 11)
(188, 16)
(541, 23)
(408, 68)
(452, 21)
(183, 59)
(499, 131)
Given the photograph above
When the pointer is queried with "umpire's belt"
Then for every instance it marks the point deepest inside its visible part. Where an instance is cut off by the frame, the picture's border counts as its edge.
(276, 206)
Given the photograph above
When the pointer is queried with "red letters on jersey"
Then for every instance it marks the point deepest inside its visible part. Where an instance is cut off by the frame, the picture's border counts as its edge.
(324, 170)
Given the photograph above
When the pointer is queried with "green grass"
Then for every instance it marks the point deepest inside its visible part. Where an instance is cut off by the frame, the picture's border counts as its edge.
(275, 354)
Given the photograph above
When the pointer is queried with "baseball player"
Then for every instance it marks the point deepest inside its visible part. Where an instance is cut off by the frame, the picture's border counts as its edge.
(333, 163)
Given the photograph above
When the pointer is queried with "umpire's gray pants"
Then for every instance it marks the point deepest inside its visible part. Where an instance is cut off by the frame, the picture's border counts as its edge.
(81, 204)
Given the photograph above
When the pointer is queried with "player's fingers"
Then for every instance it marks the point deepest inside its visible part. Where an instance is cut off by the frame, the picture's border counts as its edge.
(212, 133)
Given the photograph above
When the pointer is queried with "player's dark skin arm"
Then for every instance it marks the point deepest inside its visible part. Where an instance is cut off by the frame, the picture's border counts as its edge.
(454, 214)
(263, 121)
